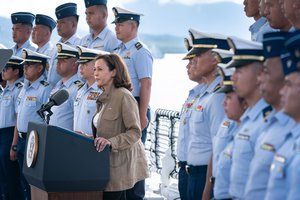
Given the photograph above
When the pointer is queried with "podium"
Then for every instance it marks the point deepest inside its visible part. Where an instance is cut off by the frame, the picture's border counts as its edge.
(60, 164)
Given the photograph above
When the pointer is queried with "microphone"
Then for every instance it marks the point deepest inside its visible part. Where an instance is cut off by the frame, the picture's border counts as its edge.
(55, 99)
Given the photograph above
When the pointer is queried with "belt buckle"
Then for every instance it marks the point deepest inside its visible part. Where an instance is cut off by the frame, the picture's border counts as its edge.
(187, 169)
(20, 135)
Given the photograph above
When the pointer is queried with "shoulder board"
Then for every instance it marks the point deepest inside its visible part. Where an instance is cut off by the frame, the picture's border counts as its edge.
(19, 85)
(138, 45)
(78, 83)
(44, 83)
(217, 88)
(266, 112)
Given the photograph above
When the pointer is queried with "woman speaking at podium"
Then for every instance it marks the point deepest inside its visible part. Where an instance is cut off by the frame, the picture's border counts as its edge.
(117, 124)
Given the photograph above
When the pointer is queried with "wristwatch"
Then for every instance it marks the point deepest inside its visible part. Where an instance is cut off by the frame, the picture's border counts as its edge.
(14, 147)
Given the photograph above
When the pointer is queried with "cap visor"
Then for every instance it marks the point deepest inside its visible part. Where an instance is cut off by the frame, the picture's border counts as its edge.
(194, 52)
(225, 89)
(239, 63)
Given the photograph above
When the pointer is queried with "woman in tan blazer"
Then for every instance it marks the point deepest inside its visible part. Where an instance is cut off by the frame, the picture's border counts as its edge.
(117, 124)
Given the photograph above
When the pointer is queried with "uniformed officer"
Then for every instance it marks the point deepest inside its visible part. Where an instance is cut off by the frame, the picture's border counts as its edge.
(291, 12)
(34, 93)
(67, 67)
(10, 185)
(281, 172)
(183, 134)
(67, 21)
(248, 60)
(203, 123)
(41, 34)
(234, 107)
(139, 62)
(276, 17)
(100, 36)
(22, 28)
(85, 102)
(261, 25)
(272, 80)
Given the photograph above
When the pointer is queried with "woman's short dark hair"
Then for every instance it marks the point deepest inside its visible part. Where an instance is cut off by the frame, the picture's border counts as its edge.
(114, 61)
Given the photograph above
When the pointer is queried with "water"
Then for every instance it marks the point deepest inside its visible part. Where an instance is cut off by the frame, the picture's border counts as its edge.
(170, 83)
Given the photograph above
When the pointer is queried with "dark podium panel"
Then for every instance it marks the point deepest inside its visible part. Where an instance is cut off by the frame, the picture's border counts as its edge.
(64, 161)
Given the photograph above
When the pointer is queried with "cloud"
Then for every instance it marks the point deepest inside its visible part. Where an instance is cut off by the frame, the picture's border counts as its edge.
(193, 2)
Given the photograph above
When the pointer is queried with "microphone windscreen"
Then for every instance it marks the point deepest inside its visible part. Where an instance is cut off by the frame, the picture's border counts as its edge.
(60, 97)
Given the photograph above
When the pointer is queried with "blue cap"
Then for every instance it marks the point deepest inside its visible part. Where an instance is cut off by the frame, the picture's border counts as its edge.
(87, 55)
(273, 44)
(289, 65)
(45, 20)
(89, 3)
(34, 57)
(245, 52)
(122, 15)
(22, 18)
(293, 45)
(66, 51)
(202, 42)
(66, 10)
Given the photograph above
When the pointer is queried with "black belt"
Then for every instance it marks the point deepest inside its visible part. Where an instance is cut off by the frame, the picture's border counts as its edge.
(190, 169)
(22, 135)
(182, 164)
(3, 130)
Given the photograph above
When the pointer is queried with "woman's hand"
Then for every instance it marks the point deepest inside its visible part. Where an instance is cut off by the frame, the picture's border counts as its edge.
(100, 143)
(13, 155)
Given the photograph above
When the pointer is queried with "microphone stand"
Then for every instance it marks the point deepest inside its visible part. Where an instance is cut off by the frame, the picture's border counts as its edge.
(42, 112)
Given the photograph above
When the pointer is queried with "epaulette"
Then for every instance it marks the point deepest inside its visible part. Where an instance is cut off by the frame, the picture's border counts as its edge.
(217, 88)
(44, 83)
(266, 112)
(138, 45)
(19, 85)
(78, 83)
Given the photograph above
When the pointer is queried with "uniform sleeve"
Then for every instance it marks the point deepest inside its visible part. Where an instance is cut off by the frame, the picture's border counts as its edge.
(131, 120)
(216, 114)
(143, 63)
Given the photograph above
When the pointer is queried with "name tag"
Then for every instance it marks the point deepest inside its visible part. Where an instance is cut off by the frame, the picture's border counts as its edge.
(225, 124)
(199, 108)
(93, 95)
(30, 98)
(243, 136)
(280, 158)
(7, 97)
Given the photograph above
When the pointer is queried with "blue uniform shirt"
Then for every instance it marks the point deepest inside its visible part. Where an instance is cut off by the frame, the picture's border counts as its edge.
(28, 45)
(105, 41)
(63, 115)
(259, 28)
(294, 182)
(221, 140)
(204, 124)
(30, 100)
(85, 108)
(8, 104)
(280, 174)
(48, 50)
(267, 144)
(252, 123)
(53, 77)
(138, 60)
(184, 135)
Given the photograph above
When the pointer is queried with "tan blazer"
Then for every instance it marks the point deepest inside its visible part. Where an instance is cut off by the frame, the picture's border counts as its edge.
(120, 124)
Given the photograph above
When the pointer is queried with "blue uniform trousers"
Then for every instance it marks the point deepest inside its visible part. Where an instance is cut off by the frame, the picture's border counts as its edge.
(196, 181)
(182, 181)
(10, 187)
(24, 184)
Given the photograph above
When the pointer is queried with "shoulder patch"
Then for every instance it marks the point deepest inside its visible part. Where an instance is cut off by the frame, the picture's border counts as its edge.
(138, 45)
(266, 112)
(79, 84)
(19, 85)
(44, 83)
(217, 87)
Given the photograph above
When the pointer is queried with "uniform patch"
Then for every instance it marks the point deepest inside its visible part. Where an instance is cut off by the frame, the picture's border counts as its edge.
(243, 136)
(217, 87)
(267, 147)
(138, 45)
(93, 95)
(78, 83)
(8, 97)
(266, 112)
(44, 83)
(30, 98)
(19, 85)
(199, 108)
(226, 124)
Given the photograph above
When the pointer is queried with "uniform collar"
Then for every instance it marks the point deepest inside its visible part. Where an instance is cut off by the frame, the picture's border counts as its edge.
(35, 84)
(13, 85)
(101, 35)
(282, 118)
(25, 45)
(44, 48)
(213, 85)
(71, 41)
(295, 131)
(198, 89)
(70, 81)
(130, 43)
(255, 111)
(257, 25)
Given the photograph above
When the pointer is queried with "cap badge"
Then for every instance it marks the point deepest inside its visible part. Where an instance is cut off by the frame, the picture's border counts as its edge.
(59, 48)
(289, 63)
(269, 48)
